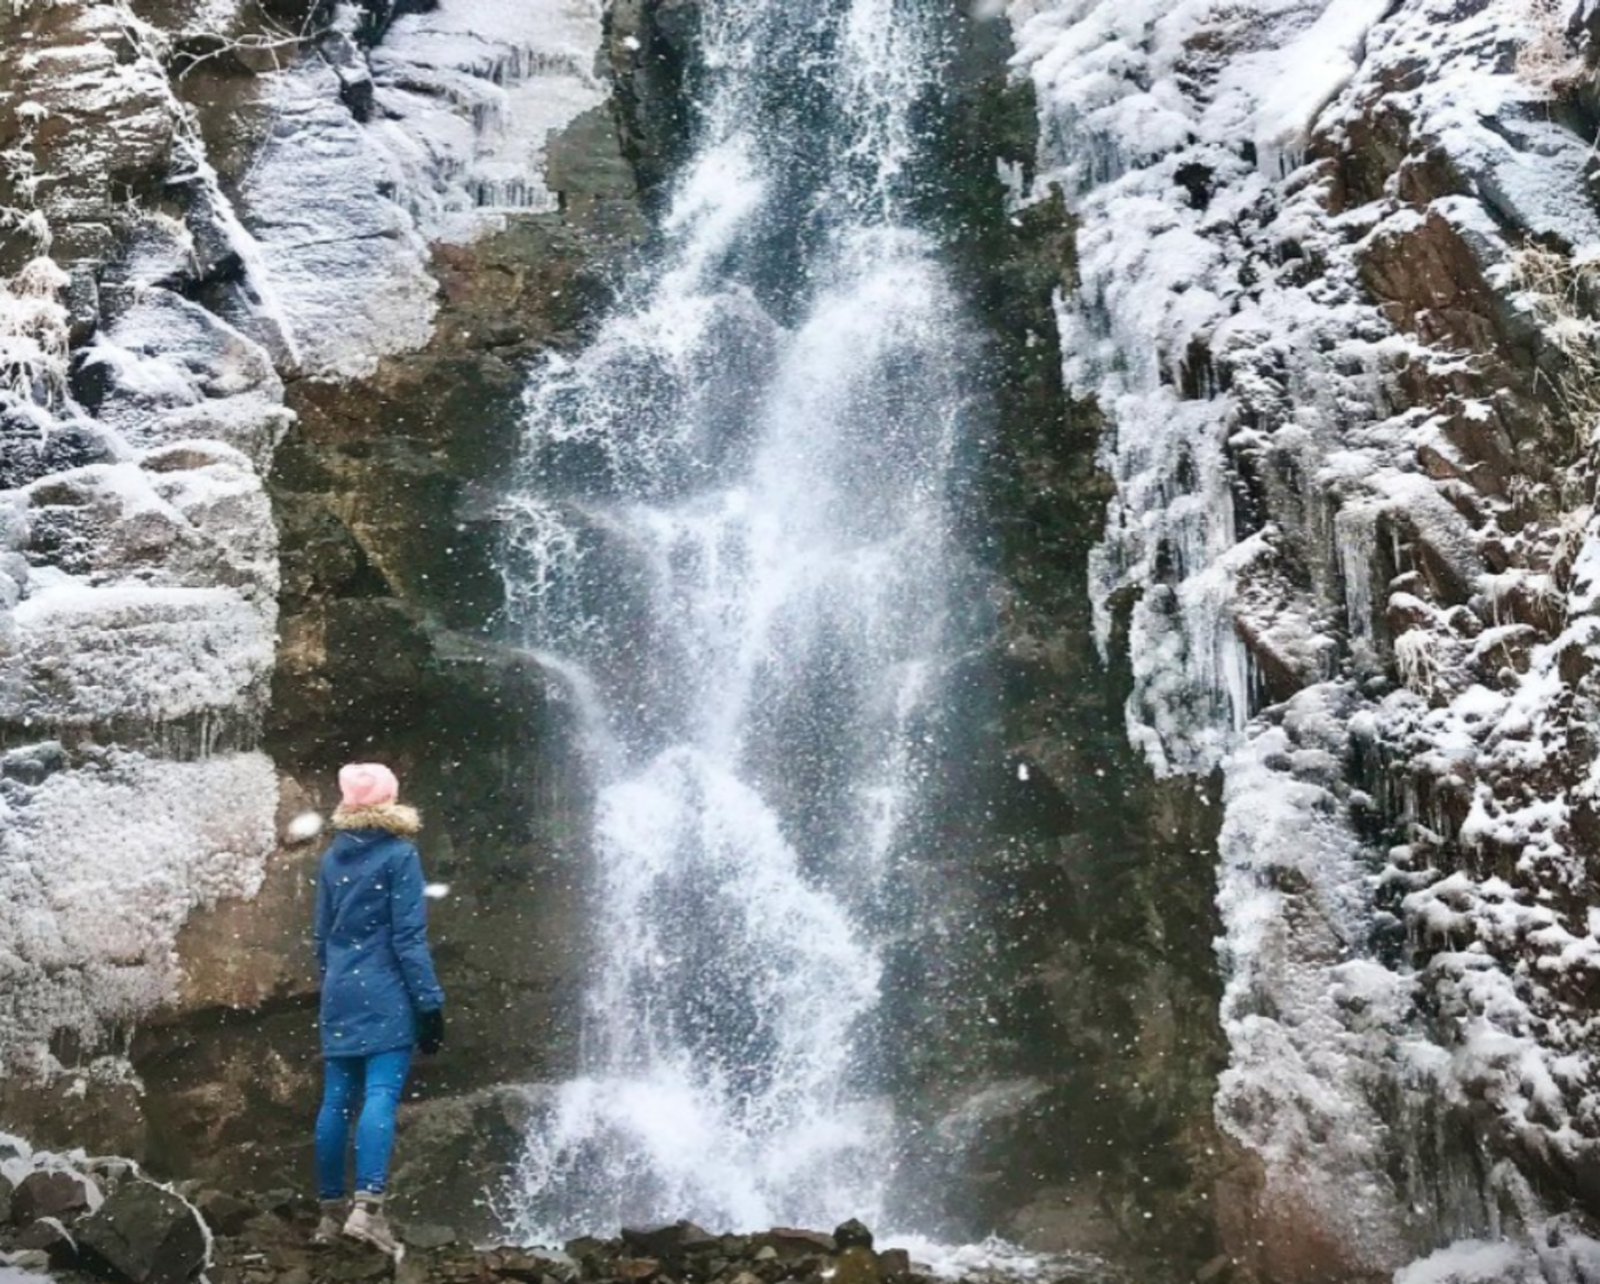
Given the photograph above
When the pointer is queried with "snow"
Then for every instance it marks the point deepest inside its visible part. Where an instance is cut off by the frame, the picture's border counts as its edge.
(347, 265)
(1474, 1262)
(304, 827)
(342, 213)
(469, 94)
(1224, 325)
(138, 569)
(104, 863)
(90, 656)
(1293, 84)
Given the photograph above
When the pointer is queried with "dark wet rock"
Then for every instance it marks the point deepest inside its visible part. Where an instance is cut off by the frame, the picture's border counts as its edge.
(894, 1264)
(516, 1264)
(225, 1214)
(57, 1194)
(50, 1235)
(790, 1241)
(427, 1235)
(146, 1235)
(347, 1264)
(852, 1234)
(669, 1241)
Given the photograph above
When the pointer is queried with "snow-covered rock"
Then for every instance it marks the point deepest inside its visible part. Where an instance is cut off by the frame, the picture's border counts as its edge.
(1335, 302)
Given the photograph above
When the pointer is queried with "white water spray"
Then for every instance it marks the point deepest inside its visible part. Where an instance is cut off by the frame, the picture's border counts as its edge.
(731, 541)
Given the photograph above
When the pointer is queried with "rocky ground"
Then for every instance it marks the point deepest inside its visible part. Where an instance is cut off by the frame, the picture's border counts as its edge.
(103, 1219)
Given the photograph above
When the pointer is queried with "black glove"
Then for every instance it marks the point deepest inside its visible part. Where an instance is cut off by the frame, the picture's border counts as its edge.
(430, 1031)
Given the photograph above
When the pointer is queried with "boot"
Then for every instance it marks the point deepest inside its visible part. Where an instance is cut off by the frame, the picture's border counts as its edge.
(331, 1222)
(368, 1224)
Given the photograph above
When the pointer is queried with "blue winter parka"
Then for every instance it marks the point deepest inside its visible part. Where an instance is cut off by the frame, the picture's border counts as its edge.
(371, 933)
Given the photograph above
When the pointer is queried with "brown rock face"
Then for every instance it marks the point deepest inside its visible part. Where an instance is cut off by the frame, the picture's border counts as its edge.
(382, 498)
(384, 495)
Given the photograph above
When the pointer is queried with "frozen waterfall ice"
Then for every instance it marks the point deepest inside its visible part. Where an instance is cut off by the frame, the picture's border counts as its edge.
(731, 544)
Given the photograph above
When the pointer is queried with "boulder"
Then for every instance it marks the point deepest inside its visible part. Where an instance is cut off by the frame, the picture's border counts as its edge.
(852, 1234)
(50, 1236)
(857, 1265)
(579, 1248)
(226, 1214)
(669, 1241)
(426, 1235)
(791, 1241)
(146, 1235)
(515, 1264)
(53, 1193)
(894, 1264)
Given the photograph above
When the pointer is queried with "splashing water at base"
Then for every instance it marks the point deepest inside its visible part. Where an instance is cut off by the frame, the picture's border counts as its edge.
(731, 545)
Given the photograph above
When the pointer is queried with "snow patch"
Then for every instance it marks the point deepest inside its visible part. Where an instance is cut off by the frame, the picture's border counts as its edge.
(104, 863)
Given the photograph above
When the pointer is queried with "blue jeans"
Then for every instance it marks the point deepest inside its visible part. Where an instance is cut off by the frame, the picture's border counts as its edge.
(378, 1080)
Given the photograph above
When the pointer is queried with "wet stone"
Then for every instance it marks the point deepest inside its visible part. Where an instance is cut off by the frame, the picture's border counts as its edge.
(49, 1235)
(145, 1234)
(225, 1214)
(634, 1269)
(49, 1194)
(351, 1265)
(668, 1241)
(857, 1265)
(515, 1264)
(852, 1234)
(894, 1264)
(790, 1241)
(427, 1235)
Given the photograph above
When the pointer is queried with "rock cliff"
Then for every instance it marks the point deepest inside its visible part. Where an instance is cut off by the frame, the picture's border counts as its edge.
(1287, 511)
(1331, 298)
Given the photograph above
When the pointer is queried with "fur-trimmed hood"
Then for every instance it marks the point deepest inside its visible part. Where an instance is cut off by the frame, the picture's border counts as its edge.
(396, 818)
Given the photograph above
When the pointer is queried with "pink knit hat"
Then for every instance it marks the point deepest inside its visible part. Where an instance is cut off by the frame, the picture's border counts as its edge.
(367, 784)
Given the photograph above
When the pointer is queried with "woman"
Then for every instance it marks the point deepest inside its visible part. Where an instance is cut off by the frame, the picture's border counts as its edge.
(380, 997)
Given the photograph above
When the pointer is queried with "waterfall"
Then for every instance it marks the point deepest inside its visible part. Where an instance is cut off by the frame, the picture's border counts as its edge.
(730, 543)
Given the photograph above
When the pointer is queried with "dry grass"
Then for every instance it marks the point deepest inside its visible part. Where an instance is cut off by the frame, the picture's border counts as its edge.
(1419, 655)
(1548, 61)
(1557, 289)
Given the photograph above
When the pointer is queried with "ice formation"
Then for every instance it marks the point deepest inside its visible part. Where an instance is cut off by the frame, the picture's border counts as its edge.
(1335, 601)
(344, 205)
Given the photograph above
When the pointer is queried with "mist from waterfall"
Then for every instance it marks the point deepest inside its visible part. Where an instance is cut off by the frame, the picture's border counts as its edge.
(731, 546)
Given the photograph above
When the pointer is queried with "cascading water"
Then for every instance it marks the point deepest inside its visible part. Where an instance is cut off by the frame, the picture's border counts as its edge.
(731, 543)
